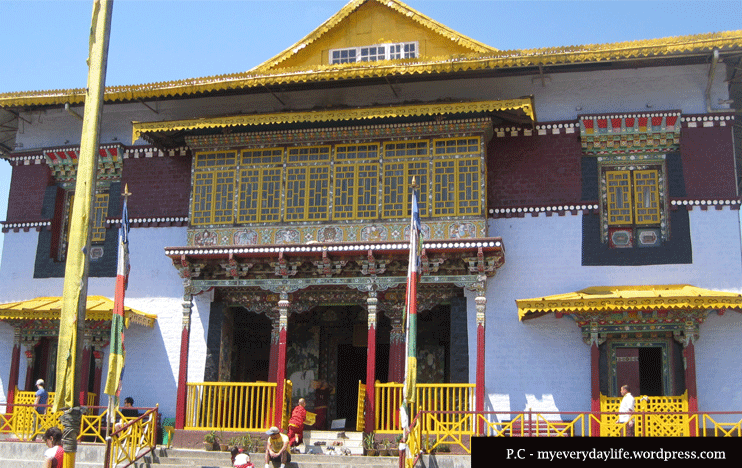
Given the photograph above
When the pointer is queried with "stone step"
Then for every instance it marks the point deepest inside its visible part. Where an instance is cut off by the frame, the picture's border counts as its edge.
(31, 454)
(205, 459)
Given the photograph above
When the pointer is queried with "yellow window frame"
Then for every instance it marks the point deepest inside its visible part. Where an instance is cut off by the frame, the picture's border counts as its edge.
(457, 186)
(214, 181)
(619, 206)
(262, 202)
(100, 212)
(647, 204)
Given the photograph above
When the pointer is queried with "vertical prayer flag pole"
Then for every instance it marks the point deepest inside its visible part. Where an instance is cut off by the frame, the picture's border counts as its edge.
(117, 355)
(72, 320)
(410, 381)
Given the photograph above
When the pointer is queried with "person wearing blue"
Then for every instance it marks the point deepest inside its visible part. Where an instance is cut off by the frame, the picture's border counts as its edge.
(42, 397)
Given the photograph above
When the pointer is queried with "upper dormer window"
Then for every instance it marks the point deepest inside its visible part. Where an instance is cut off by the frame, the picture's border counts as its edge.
(374, 53)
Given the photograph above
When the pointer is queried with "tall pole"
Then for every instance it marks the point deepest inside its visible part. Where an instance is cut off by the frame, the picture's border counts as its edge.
(72, 320)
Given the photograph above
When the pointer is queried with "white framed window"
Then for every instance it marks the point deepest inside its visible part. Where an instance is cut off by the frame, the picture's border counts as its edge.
(373, 53)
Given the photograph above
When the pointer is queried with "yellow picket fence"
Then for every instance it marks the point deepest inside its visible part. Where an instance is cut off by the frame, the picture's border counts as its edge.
(234, 405)
(26, 423)
(445, 398)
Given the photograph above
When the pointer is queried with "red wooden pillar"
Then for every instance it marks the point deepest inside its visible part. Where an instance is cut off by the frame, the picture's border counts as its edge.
(15, 364)
(689, 352)
(481, 307)
(283, 311)
(85, 371)
(185, 334)
(370, 419)
(595, 386)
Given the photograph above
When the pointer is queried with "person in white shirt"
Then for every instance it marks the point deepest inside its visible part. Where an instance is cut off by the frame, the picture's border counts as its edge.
(625, 411)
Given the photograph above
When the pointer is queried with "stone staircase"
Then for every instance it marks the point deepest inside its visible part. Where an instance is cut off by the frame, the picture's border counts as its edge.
(202, 459)
(15, 454)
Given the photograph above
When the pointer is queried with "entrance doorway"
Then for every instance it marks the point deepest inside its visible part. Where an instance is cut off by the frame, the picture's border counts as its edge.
(251, 347)
(647, 367)
(351, 369)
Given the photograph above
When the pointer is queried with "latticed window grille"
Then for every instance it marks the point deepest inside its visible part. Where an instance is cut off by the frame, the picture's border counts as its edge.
(100, 212)
(456, 177)
(356, 182)
(403, 162)
(619, 209)
(213, 188)
(259, 194)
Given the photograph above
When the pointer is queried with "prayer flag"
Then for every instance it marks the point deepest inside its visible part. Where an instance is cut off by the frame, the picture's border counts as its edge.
(118, 351)
(413, 272)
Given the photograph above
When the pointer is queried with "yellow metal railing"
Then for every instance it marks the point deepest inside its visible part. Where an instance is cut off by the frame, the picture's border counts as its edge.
(360, 414)
(132, 440)
(26, 423)
(666, 415)
(234, 405)
(573, 424)
(448, 398)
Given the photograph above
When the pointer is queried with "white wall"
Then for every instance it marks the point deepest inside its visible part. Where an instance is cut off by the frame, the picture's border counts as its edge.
(530, 364)
(153, 355)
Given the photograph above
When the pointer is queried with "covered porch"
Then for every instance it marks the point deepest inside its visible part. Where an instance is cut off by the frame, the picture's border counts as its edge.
(330, 316)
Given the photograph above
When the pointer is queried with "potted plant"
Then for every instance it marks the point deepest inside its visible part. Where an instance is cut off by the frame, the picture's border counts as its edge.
(369, 444)
(384, 448)
(394, 447)
(211, 441)
(246, 442)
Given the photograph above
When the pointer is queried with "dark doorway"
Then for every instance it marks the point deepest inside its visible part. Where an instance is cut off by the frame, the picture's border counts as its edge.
(251, 347)
(351, 369)
(650, 371)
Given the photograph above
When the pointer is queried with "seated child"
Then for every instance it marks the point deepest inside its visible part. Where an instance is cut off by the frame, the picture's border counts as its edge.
(240, 458)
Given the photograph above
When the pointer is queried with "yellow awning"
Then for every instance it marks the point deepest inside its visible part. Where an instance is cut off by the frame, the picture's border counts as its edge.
(49, 308)
(629, 298)
(522, 105)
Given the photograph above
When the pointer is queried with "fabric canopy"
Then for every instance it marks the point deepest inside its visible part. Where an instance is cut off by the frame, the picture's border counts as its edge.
(49, 308)
(628, 298)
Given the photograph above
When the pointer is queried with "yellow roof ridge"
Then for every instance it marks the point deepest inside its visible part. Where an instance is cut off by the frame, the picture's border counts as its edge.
(395, 5)
(726, 40)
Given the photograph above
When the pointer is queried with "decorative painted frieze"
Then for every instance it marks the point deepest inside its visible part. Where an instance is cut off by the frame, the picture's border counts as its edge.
(554, 128)
(630, 133)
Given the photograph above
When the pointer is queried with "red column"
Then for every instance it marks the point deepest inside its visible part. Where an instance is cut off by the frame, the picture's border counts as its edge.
(15, 364)
(185, 334)
(481, 307)
(283, 310)
(370, 419)
(689, 352)
(85, 371)
(595, 387)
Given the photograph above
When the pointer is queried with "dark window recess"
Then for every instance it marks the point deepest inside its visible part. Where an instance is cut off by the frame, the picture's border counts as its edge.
(50, 258)
(676, 249)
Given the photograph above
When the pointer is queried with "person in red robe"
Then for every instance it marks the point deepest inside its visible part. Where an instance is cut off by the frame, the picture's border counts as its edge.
(296, 423)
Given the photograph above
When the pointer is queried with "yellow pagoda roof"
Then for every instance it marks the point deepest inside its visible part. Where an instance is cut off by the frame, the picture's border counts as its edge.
(459, 55)
(49, 308)
(523, 106)
(629, 298)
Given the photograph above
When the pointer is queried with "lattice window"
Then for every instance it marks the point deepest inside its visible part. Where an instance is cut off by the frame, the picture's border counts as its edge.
(456, 177)
(403, 162)
(213, 188)
(633, 207)
(308, 184)
(260, 186)
(619, 197)
(356, 182)
(100, 212)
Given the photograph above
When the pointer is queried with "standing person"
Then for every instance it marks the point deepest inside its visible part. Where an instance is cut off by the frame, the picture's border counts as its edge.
(296, 423)
(54, 454)
(625, 411)
(42, 397)
(276, 448)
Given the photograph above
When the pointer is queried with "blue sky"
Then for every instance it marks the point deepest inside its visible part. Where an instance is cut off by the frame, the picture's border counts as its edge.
(45, 42)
